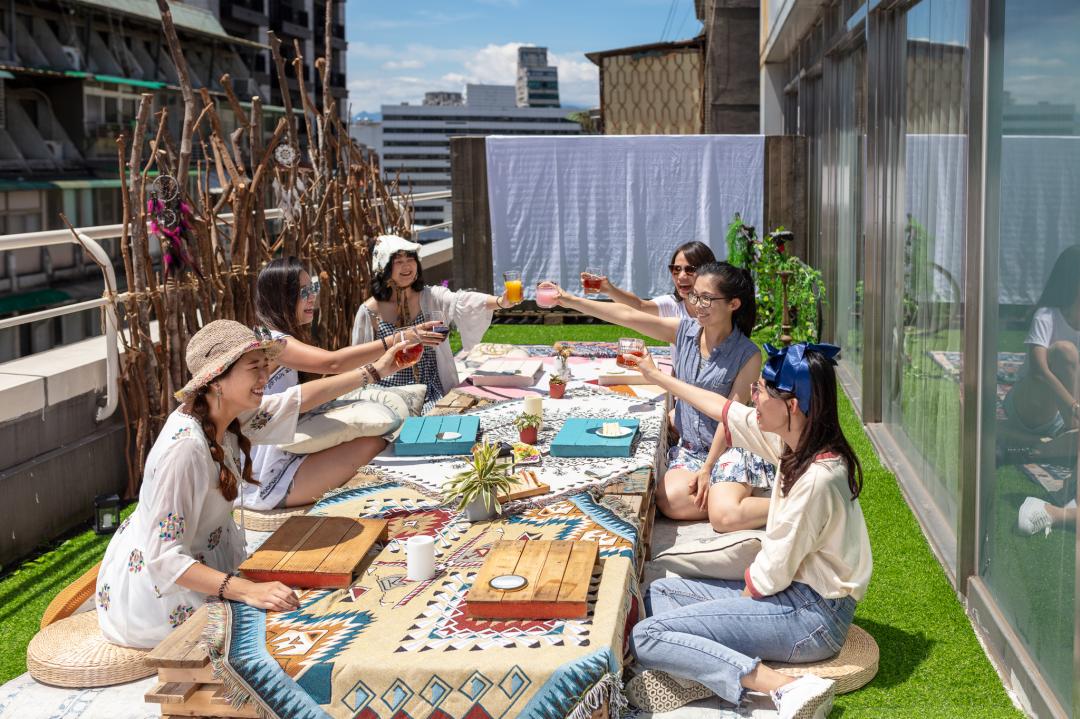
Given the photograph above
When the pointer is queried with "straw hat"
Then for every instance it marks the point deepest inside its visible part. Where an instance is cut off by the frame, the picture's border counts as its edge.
(214, 348)
(386, 246)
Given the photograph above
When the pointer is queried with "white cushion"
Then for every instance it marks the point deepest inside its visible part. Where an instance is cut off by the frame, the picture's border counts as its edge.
(342, 421)
(412, 395)
(721, 556)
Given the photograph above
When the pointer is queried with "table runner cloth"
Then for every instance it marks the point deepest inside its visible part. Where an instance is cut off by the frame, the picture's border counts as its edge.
(389, 647)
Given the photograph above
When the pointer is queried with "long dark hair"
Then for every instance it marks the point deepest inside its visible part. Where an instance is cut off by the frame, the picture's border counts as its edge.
(381, 286)
(200, 410)
(822, 432)
(1064, 281)
(734, 283)
(276, 293)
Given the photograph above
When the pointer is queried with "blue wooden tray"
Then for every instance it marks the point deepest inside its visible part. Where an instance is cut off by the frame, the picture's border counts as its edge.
(580, 438)
(419, 436)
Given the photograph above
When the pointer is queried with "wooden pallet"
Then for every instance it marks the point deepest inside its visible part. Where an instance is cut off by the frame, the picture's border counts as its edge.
(457, 402)
(311, 552)
(639, 490)
(186, 686)
(557, 573)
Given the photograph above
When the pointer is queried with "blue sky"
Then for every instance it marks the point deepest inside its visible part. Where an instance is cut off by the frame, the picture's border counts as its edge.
(399, 50)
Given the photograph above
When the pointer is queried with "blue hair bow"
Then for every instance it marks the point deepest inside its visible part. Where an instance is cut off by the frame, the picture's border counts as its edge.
(788, 370)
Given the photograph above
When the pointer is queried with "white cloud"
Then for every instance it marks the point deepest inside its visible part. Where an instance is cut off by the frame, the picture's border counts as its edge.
(403, 65)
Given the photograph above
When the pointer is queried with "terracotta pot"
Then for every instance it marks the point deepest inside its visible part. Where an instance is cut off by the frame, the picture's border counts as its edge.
(528, 436)
(557, 390)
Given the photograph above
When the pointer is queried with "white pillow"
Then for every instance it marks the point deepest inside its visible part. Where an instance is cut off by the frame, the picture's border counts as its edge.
(722, 556)
(412, 395)
(342, 421)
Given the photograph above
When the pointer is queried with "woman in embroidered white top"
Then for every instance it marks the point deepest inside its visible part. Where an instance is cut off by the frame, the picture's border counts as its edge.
(798, 598)
(180, 545)
(286, 297)
(400, 298)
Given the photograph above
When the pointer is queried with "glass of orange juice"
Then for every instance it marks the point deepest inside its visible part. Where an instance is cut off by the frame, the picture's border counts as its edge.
(512, 282)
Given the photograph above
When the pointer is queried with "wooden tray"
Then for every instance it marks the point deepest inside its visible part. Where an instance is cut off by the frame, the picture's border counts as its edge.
(578, 438)
(314, 552)
(419, 436)
(558, 574)
(526, 485)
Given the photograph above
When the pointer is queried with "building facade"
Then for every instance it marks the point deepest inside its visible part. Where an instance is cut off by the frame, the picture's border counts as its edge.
(537, 82)
(416, 138)
(943, 156)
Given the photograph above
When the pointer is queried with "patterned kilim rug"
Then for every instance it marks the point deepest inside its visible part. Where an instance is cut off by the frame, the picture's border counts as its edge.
(388, 647)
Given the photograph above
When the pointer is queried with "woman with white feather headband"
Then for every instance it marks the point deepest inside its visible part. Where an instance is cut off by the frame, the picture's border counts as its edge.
(400, 298)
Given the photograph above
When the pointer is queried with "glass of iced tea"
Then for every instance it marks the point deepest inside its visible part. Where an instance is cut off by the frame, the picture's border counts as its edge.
(629, 346)
(409, 355)
(512, 282)
(592, 280)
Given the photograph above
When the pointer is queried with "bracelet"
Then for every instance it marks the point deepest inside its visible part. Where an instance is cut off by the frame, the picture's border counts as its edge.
(384, 345)
(224, 583)
(370, 369)
(365, 378)
(498, 303)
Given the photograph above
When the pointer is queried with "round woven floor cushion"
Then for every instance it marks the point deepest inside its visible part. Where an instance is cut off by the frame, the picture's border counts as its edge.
(851, 669)
(71, 653)
(269, 519)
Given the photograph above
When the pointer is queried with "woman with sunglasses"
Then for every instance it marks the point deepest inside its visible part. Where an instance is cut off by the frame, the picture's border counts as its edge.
(706, 479)
(285, 301)
(798, 596)
(683, 267)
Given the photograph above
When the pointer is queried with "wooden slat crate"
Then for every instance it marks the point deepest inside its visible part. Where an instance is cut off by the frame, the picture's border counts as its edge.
(457, 402)
(557, 575)
(314, 552)
(186, 685)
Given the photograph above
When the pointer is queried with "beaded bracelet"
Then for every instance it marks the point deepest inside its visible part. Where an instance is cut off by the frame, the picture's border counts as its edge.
(221, 589)
(384, 345)
(370, 369)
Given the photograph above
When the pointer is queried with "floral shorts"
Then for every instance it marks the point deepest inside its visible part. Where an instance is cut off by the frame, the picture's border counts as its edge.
(734, 465)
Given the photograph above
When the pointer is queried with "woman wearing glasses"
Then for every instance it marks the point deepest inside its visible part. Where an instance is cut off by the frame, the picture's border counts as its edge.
(285, 300)
(706, 479)
(683, 267)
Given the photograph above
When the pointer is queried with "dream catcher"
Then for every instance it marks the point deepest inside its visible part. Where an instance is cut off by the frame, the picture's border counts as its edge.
(170, 223)
(288, 197)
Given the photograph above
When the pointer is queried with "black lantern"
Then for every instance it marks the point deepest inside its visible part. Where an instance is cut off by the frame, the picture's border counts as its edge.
(106, 513)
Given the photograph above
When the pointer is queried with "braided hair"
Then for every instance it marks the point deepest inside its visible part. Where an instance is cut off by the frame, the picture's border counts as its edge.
(200, 410)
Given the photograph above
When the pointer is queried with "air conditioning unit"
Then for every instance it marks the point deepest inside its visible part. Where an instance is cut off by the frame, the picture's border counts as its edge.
(56, 150)
(73, 55)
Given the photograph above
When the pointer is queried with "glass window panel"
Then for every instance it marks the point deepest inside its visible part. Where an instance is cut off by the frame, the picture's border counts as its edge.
(927, 234)
(1028, 493)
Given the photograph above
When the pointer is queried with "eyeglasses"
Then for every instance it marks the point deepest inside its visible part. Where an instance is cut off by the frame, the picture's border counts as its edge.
(679, 269)
(702, 301)
(262, 334)
(310, 291)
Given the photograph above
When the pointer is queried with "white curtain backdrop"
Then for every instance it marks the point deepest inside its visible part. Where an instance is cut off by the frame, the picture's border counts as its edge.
(618, 203)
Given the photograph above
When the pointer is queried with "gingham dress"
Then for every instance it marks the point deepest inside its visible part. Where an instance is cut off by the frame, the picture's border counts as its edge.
(425, 372)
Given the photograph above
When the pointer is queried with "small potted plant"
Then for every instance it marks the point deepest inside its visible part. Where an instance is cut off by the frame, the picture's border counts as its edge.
(528, 425)
(477, 488)
(556, 387)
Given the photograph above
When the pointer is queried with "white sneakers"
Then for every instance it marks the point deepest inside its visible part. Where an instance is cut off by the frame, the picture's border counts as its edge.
(1033, 517)
(808, 697)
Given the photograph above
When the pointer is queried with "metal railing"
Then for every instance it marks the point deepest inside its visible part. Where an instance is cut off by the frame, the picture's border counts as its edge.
(90, 239)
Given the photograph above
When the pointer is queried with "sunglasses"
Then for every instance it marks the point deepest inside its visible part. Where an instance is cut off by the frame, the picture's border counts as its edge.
(310, 291)
(702, 301)
(679, 269)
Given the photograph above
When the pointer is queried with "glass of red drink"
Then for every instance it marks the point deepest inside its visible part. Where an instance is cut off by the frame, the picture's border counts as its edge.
(409, 355)
(592, 281)
(629, 346)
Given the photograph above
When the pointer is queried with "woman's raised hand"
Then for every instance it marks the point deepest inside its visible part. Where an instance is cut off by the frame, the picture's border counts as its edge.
(273, 596)
(642, 364)
(425, 334)
(401, 355)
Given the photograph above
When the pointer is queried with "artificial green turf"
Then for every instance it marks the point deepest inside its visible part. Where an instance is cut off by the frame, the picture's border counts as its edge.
(931, 664)
(26, 591)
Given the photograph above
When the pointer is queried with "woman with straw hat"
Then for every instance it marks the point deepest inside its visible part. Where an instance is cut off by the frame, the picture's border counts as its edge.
(180, 545)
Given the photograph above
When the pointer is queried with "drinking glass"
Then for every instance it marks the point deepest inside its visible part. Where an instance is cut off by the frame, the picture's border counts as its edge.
(442, 328)
(409, 355)
(547, 294)
(512, 282)
(592, 280)
(629, 346)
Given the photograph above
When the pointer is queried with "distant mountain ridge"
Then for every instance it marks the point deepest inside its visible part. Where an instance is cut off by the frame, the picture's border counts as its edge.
(367, 116)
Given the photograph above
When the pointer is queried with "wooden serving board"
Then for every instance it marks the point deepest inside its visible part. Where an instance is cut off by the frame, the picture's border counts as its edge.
(419, 436)
(558, 573)
(314, 552)
(526, 484)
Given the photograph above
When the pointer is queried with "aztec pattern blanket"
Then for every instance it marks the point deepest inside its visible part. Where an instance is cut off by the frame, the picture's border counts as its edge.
(388, 647)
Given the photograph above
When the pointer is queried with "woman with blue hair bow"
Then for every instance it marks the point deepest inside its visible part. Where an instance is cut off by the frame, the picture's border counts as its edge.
(798, 596)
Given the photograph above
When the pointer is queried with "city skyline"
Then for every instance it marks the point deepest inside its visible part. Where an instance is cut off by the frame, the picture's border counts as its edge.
(397, 56)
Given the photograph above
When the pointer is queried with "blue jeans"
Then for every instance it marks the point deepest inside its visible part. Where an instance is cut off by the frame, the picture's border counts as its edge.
(704, 630)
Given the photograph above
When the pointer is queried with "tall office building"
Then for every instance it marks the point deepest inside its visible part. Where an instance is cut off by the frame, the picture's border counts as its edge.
(537, 82)
(416, 138)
